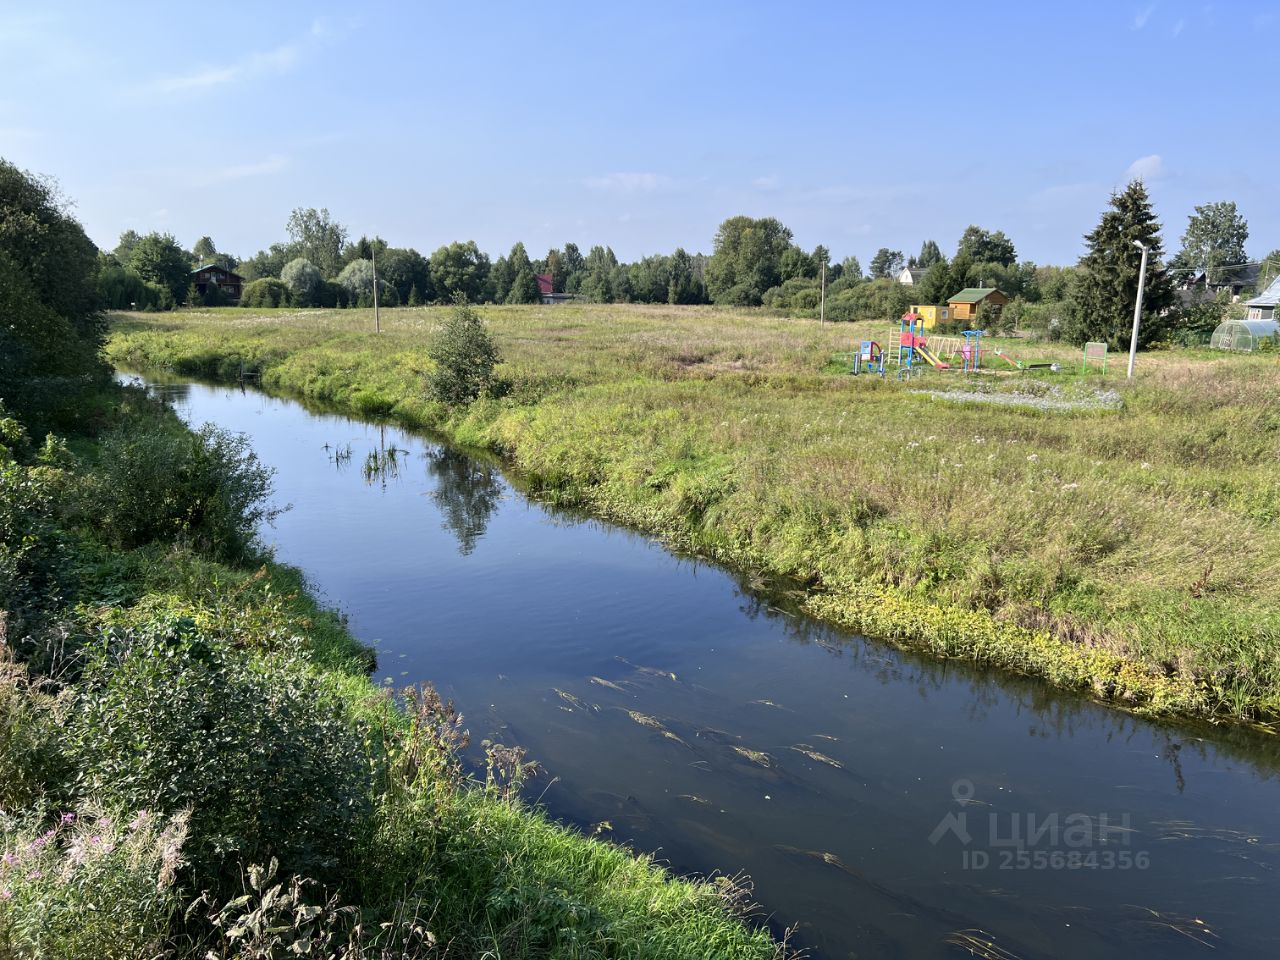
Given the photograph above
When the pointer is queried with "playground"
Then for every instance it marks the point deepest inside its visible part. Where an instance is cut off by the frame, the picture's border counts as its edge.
(908, 352)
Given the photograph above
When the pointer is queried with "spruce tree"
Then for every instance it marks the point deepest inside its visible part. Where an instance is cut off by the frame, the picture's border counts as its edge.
(1107, 279)
(930, 253)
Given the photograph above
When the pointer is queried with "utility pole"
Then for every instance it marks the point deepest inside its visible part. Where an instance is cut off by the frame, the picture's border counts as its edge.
(1137, 307)
(377, 318)
(822, 301)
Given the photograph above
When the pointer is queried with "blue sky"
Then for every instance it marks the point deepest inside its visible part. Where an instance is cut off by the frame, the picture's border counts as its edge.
(644, 125)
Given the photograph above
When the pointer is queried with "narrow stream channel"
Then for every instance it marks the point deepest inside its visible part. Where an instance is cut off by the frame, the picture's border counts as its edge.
(887, 818)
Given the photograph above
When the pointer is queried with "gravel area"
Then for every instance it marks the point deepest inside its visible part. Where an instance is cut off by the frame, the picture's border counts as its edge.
(1054, 398)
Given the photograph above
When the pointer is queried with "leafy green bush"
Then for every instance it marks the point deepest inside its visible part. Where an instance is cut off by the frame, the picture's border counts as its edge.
(267, 292)
(464, 355)
(90, 887)
(255, 745)
(35, 556)
(28, 735)
(155, 481)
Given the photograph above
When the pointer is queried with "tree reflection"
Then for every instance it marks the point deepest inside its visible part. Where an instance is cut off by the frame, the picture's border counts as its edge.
(466, 494)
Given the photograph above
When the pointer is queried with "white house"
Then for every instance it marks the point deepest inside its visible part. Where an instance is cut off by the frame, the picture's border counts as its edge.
(910, 276)
(1263, 306)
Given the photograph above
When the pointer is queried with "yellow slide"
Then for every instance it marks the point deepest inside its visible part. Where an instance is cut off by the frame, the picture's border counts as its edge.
(931, 359)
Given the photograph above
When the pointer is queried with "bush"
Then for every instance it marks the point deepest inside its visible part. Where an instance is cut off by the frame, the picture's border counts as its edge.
(90, 887)
(122, 289)
(798, 293)
(305, 283)
(35, 557)
(464, 355)
(739, 295)
(254, 744)
(158, 297)
(155, 481)
(29, 735)
(267, 292)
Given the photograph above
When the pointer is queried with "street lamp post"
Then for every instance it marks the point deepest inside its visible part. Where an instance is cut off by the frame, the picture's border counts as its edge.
(822, 307)
(1137, 307)
(377, 318)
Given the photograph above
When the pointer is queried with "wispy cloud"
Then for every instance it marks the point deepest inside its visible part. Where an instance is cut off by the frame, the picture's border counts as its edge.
(274, 62)
(239, 171)
(765, 183)
(1179, 27)
(628, 183)
(1142, 16)
(1146, 168)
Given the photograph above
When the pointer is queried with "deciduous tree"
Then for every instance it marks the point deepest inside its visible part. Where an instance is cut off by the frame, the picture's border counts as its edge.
(305, 283)
(158, 258)
(1214, 239)
(747, 259)
(460, 269)
(318, 237)
(981, 246)
(886, 263)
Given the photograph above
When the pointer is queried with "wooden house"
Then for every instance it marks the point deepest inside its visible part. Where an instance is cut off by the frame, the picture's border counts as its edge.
(231, 284)
(964, 305)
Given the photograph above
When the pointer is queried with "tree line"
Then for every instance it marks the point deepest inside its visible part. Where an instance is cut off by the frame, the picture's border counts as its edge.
(754, 262)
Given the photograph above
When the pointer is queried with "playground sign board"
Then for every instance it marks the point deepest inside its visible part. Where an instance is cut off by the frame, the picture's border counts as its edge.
(1094, 351)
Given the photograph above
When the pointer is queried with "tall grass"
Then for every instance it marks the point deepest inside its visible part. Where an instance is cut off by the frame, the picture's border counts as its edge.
(1130, 553)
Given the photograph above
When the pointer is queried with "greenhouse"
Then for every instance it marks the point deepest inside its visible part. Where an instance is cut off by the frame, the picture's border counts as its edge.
(1244, 335)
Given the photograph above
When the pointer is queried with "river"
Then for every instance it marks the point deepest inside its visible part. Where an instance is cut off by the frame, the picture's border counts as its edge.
(881, 802)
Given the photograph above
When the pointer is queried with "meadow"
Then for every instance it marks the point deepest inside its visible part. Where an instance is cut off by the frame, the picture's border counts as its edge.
(1116, 538)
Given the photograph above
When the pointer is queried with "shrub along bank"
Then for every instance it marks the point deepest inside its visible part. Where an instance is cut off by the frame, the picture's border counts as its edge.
(1125, 550)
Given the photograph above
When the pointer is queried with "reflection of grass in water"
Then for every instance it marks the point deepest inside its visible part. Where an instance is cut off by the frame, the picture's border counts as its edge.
(339, 456)
(382, 465)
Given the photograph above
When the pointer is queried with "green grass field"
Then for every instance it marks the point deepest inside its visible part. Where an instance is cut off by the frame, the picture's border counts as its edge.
(1127, 549)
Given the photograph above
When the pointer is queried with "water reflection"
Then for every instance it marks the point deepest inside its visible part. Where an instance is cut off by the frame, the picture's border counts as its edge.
(466, 492)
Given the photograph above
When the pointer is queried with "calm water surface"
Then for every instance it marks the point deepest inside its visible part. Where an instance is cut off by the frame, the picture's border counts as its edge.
(897, 789)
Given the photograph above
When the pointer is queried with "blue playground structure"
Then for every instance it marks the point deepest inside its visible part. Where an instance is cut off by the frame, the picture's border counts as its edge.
(971, 351)
(868, 359)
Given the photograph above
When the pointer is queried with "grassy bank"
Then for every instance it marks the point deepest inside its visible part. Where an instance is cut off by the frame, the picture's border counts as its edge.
(194, 762)
(1117, 539)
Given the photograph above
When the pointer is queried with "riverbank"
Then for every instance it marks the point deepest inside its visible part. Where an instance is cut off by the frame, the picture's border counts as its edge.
(1127, 551)
(181, 724)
